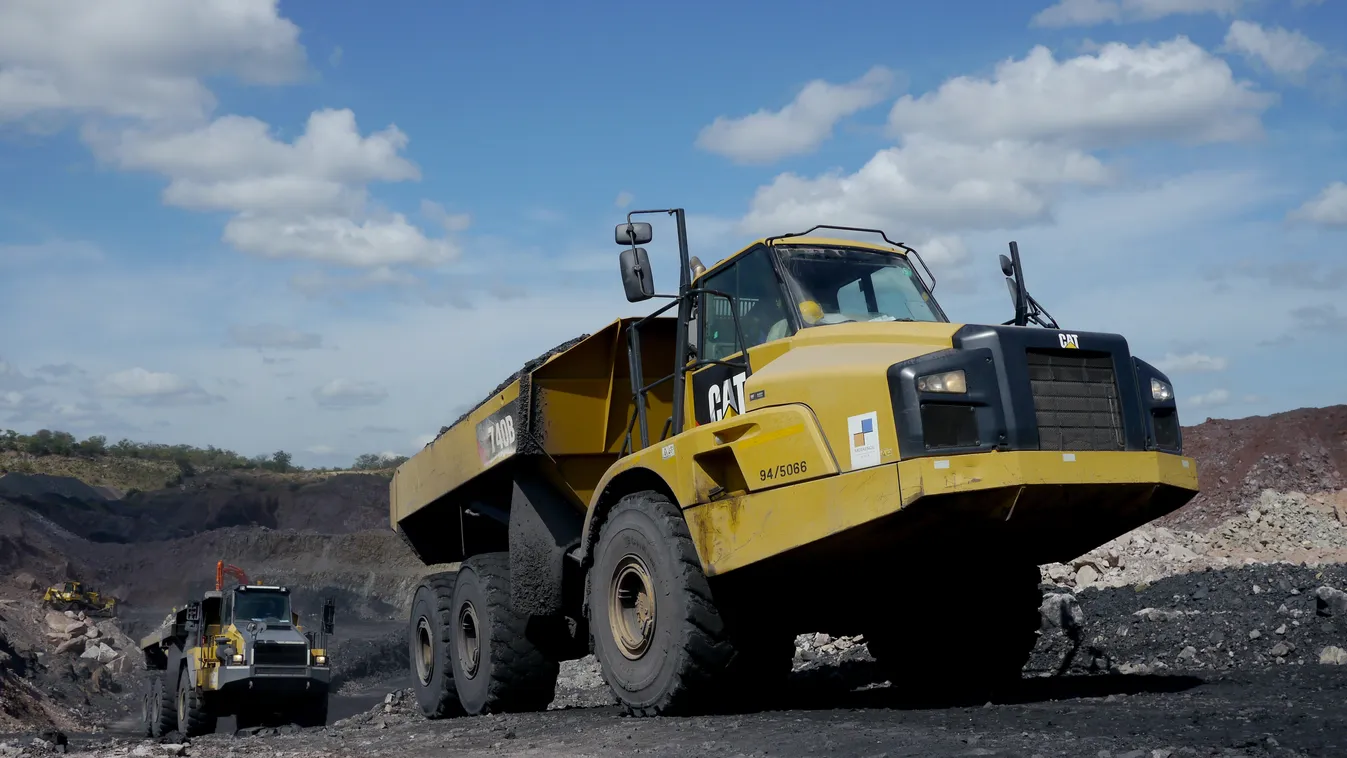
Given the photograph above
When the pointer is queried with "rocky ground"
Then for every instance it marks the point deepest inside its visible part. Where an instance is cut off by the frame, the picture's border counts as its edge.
(1220, 630)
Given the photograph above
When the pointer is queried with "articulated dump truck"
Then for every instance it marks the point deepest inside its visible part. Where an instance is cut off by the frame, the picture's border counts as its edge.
(799, 440)
(237, 652)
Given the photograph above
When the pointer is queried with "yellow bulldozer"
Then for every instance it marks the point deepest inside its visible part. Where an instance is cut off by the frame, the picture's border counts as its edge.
(72, 596)
(807, 443)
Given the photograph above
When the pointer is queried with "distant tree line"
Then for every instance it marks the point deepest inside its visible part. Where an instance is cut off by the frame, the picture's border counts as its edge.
(189, 458)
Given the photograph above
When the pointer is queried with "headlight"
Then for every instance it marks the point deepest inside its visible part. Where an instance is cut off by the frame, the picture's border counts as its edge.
(950, 381)
(1161, 391)
(320, 660)
(236, 659)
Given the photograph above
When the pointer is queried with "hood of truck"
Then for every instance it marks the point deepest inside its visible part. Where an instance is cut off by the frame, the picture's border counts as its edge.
(854, 376)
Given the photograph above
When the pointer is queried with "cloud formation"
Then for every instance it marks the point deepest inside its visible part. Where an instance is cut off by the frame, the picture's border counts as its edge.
(1095, 12)
(799, 127)
(1284, 52)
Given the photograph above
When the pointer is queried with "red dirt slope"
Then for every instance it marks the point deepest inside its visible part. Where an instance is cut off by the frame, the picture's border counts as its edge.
(1304, 450)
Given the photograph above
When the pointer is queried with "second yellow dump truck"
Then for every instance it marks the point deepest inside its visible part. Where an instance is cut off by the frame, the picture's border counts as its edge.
(804, 443)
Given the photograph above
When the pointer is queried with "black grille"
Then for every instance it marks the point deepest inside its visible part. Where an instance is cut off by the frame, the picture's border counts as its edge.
(949, 426)
(274, 654)
(1075, 400)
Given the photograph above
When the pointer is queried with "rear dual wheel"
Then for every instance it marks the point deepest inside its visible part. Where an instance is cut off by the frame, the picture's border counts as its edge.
(470, 651)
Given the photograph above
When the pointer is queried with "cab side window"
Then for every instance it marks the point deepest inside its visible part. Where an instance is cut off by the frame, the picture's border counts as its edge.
(762, 314)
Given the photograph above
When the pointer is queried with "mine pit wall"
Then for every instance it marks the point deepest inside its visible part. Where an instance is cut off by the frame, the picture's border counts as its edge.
(372, 575)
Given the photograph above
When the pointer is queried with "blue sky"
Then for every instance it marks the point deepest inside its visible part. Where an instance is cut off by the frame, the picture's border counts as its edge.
(327, 228)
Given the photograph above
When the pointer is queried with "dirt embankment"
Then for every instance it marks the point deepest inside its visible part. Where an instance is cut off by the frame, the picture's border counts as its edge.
(1271, 492)
(1304, 450)
(333, 504)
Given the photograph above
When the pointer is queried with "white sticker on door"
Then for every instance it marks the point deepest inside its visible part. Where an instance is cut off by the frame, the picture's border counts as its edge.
(863, 436)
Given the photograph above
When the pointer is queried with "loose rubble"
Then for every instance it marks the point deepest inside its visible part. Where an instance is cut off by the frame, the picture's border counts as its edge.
(1276, 527)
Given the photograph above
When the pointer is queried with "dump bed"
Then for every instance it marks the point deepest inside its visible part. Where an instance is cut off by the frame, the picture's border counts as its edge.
(172, 627)
(567, 412)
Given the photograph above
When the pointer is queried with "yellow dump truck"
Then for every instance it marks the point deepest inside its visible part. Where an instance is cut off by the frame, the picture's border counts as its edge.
(238, 652)
(800, 440)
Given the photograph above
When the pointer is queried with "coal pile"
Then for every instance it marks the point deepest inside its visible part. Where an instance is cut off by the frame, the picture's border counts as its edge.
(1249, 617)
(526, 368)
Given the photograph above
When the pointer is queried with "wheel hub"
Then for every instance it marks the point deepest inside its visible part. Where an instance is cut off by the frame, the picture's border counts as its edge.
(425, 651)
(631, 606)
(467, 640)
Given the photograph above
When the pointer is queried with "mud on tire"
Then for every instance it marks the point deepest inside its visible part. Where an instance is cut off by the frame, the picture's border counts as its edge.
(661, 642)
(497, 669)
(429, 636)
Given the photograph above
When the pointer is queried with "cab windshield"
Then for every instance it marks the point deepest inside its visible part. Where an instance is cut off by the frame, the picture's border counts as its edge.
(261, 606)
(834, 285)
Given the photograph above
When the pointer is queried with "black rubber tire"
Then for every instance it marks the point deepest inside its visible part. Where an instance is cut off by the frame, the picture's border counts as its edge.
(159, 710)
(432, 618)
(690, 651)
(971, 658)
(512, 674)
(193, 718)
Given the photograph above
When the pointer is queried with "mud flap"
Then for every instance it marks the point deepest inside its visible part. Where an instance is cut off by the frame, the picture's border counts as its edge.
(543, 527)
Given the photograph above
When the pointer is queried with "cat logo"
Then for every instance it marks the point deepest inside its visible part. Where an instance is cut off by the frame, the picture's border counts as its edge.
(1070, 341)
(720, 398)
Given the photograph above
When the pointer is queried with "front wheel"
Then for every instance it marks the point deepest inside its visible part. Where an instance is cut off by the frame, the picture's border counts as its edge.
(194, 719)
(660, 641)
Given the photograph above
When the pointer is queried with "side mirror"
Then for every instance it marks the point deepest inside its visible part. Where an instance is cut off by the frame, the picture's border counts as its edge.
(1014, 291)
(635, 233)
(637, 279)
(329, 615)
(1007, 267)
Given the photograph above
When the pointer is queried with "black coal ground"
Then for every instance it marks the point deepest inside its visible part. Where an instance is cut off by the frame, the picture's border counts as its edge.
(1202, 702)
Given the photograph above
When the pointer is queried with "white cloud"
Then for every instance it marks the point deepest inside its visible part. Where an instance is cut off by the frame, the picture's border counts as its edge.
(1285, 52)
(305, 199)
(1329, 208)
(1119, 95)
(1190, 363)
(273, 337)
(452, 222)
(1095, 12)
(345, 393)
(321, 449)
(624, 199)
(927, 184)
(801, 126)
(146, 61)
(139, 385)
(1212, 399)
(141, 59)
(995, 153)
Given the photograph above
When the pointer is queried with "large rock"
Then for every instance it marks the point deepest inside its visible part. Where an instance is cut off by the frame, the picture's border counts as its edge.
(74, 646)
(57, 622)
(99, 652)
(1330, 602)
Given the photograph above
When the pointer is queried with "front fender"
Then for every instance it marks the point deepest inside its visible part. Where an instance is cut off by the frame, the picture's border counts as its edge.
(753, 452)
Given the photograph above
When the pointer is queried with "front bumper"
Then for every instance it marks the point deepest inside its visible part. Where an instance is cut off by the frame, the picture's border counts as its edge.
(1038, 506)
(271, 678)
